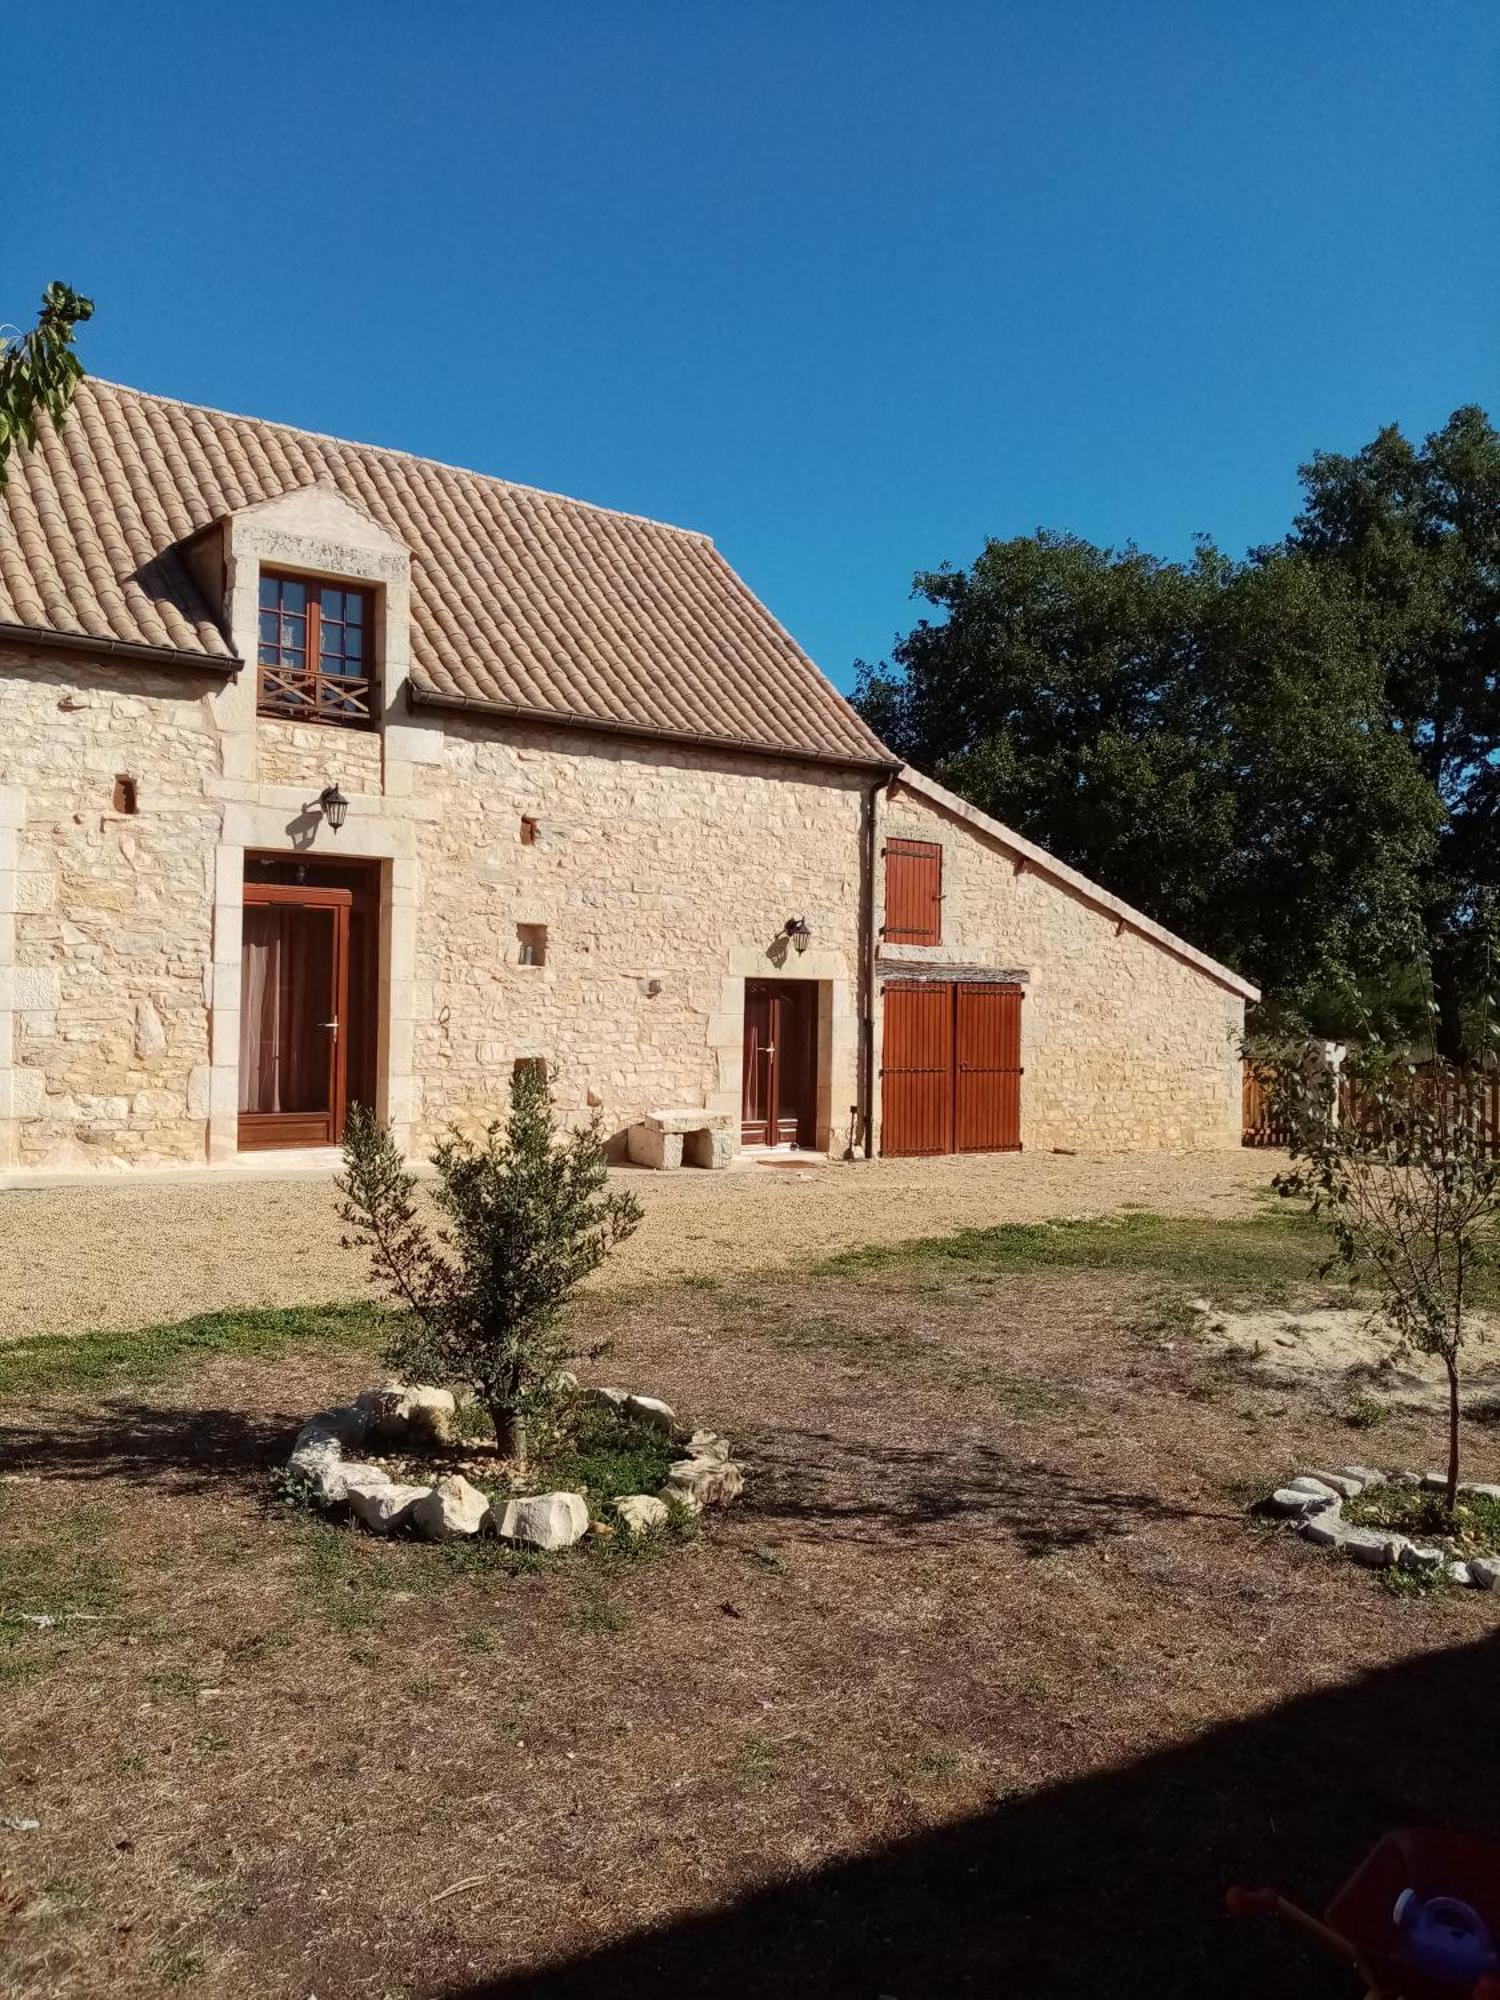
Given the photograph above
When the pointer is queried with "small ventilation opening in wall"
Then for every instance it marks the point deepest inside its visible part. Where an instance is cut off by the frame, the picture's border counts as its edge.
(528, 830)
(124, 800)
(531, 944)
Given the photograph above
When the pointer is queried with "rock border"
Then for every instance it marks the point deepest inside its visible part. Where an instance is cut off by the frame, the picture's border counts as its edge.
(1313, 1501)
(415, 1414)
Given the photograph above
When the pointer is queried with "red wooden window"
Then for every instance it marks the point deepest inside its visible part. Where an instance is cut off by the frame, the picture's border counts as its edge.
(913, 892)
(316, 645)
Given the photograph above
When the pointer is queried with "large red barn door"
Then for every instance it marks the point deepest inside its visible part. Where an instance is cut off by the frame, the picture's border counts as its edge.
(950, 1077)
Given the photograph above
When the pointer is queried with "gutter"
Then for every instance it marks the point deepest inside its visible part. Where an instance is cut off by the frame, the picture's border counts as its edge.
(112, 649)
(552, 718)
(869, 945)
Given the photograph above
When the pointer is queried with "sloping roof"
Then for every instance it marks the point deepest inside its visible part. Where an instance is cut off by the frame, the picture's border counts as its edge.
(524, 603)
(1040, 862)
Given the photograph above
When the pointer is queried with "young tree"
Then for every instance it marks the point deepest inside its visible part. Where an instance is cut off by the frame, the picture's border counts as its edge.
(527, 1216)
(39, 370)
(1403, 1174)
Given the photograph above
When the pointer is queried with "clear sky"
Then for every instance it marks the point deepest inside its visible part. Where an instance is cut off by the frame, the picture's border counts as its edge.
(848, 286)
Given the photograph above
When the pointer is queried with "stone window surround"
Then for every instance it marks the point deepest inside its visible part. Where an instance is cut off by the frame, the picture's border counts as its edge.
(315, 531)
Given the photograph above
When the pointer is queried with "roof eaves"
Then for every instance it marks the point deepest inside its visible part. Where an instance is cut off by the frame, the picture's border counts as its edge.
(44, 640)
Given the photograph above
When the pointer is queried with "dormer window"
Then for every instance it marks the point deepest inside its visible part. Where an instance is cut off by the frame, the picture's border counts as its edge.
(316, 654)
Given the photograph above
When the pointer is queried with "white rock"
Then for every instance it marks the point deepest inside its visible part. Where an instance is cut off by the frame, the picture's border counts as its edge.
(1458, 1572)
(376, 1499)
(345, 1425)
(1309, 1483)
(1288, 1500)
(703, 1482)
(321, 1464)
(452, 1507)
(642, 1513)
(707, 1444)
(545, 1520)
(652, 1410)
(398, 1411)
(1365, 1474)
(1484, 1572)
(1481, 1489)
(1325, 1530)
(1342, 1483)
(1434, 1482)
(614, 1397)
(1420, 1561)
(1373, 1548)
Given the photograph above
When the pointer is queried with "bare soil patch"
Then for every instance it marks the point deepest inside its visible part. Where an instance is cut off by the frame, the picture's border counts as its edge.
(1349, 1350)
(988, 1686)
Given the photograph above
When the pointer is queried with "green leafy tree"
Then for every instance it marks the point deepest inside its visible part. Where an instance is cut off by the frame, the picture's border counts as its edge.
(1413, 531)
(1207, 739)
(1403, 1174)
(527, 1215)
(39, 370)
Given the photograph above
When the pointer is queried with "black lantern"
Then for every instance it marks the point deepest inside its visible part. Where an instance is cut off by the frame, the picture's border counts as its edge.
(335, 806)
(798, 932)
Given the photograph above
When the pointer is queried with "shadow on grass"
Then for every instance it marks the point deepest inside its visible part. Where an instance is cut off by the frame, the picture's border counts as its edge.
(874, 1491)
(181, 1450)
(1112, 1885)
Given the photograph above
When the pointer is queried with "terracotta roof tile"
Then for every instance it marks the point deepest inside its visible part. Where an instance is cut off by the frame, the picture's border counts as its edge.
(523, 602)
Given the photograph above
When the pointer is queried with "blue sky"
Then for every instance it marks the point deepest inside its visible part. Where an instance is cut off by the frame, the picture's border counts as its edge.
(850, 287)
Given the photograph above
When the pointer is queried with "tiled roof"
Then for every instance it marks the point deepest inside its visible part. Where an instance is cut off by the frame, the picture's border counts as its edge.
(523, 602)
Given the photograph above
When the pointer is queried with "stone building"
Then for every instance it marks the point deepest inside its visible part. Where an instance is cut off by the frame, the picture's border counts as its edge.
(328, 773)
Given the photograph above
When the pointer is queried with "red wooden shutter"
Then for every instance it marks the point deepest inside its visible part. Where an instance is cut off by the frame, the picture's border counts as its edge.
(913, 892)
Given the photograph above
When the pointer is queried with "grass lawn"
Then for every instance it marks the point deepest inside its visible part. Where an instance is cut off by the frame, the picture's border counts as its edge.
(989, 1686)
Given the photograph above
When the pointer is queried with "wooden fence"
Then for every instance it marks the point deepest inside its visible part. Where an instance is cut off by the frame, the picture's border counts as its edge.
(1472, 1096)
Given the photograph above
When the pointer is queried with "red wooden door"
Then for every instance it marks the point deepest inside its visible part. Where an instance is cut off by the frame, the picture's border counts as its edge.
(779, 1075)
(987, 1059)
(916, 1073)
(294, 1008)
(950, 1073)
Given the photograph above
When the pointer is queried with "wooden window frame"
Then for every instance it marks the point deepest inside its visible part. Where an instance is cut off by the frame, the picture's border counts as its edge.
(287, 693)
(897, 849)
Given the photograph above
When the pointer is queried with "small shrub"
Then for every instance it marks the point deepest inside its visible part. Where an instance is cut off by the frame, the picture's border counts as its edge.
(528, 1215)
(1366, 1413)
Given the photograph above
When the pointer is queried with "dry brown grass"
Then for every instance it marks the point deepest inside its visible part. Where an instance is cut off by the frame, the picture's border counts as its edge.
(994, 1548)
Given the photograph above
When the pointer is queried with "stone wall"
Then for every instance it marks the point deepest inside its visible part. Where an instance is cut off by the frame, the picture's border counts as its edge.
(1125, 1042)
(660, 876)
(107, 1050)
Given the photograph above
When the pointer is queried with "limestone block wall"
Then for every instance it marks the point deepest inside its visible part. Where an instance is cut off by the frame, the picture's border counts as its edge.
(105, 942)
(1125, 1043)
(661, 879)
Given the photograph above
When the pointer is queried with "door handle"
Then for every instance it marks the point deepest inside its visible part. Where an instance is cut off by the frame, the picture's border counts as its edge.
(334, 1024)
(769, 1049)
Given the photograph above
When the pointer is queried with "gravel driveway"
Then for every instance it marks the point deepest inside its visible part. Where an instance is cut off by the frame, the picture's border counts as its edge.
(112, 1254)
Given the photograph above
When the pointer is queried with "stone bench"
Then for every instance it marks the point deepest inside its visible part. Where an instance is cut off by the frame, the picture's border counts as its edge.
(667, 1139)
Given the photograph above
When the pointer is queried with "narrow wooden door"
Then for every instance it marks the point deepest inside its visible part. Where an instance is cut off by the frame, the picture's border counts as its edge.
(294, 1010)
(987, 1062)
(777, 1106)
(916, 1075)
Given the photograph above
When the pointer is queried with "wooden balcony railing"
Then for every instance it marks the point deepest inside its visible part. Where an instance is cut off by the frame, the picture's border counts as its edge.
(302, 694)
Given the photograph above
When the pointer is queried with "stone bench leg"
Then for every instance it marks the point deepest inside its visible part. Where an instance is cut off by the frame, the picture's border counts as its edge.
(649, 1147)
(707, 1148)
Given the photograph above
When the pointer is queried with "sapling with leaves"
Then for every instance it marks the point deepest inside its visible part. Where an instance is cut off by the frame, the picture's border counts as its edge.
(527, 1214)
(1399, 1164)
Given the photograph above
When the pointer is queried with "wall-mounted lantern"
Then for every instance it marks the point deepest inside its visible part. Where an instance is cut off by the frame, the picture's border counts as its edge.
(799, 933)
(335, 806)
